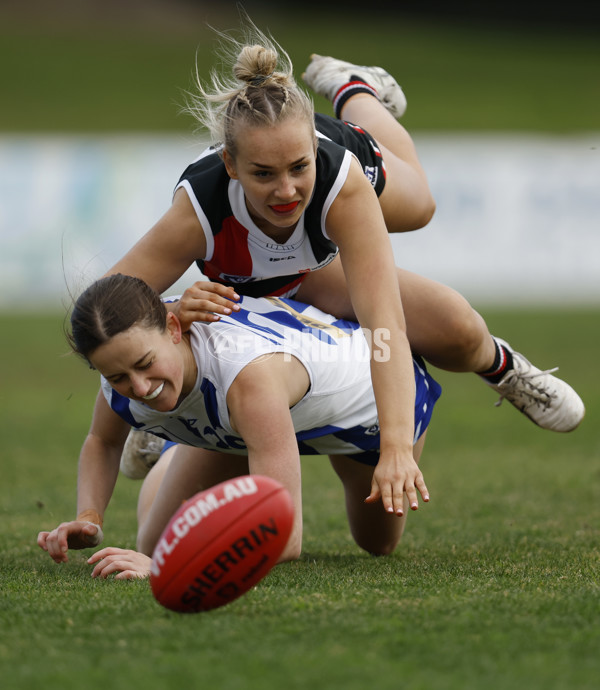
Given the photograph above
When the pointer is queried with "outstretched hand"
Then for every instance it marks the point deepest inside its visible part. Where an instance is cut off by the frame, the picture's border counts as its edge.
(77, 534)
(204, 301)
(124, 564)
(395, 479)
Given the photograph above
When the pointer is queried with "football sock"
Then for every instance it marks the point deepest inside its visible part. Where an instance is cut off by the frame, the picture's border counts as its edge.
(503, 363)
(348, 90)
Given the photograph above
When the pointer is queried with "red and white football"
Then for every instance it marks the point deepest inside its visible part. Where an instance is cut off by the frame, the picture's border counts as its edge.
(220, 543)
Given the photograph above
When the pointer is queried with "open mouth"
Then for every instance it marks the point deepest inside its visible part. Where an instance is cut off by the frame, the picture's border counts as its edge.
(155, 393)
(285, 208)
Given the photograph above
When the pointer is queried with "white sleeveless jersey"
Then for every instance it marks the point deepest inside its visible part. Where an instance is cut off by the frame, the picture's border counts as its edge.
(336, 416)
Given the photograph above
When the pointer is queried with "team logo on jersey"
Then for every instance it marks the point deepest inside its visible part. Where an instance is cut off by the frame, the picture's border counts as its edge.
(372, 430)
(371, 174)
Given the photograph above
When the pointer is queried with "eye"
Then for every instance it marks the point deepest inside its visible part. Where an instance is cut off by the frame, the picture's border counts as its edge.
(262, 174)
(301, 167)
(147, 365)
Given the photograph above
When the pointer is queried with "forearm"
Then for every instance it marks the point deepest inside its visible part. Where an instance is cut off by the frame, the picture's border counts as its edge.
(97, 475)
(394, 389)
(282, 463)
(380, 314)
(259, 402)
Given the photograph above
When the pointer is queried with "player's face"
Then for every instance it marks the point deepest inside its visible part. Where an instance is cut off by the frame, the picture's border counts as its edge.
(146, 365)
(276, 166)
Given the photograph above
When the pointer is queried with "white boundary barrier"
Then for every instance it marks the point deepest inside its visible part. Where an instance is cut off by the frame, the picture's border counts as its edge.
(517, 221)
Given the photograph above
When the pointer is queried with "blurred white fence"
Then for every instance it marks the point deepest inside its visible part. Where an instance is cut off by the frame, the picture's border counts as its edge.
(517, 222)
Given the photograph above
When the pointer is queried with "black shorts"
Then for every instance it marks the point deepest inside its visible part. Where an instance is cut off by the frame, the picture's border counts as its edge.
(359, 142)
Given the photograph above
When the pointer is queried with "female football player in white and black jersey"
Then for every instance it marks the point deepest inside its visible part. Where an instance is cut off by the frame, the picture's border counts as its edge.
(285, 204)
(275, 380)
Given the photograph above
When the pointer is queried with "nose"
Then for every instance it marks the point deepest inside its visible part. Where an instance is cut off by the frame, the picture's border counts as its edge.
(286, 189)
(140, 385)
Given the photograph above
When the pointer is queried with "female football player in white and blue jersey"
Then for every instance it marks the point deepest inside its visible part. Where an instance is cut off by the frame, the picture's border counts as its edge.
(259, 388)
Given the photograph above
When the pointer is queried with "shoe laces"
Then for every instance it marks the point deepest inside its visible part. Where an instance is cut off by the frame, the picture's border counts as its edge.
(538, 395)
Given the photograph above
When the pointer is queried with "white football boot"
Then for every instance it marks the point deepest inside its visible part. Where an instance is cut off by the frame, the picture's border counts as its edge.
(545, 399)
(140, 453)
(326, 75)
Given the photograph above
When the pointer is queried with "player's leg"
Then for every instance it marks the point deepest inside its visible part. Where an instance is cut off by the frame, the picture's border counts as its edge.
(406, 200)
(371, 98)
(151, 484)
(374, 530)
(444, 329)
(441, 325)
(181, 473)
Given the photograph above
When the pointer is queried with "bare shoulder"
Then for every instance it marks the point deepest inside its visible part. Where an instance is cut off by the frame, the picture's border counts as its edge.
(180, 218)
(355, 208)
(356, 182)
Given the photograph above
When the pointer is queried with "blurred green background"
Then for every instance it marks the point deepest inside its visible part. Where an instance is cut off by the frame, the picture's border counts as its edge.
(113, 66)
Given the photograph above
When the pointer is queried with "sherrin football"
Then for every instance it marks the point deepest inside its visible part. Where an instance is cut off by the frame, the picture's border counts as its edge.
(220, 543)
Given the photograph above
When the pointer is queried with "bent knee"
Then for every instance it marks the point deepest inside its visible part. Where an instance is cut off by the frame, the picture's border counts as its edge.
(383, 550)
(147, 538)
(405, 220)
(292, 551)
(425, 213)
(378, 547)
(466, 328)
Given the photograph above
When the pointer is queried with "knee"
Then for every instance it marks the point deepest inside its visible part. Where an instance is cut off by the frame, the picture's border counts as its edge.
(469, 329)
(377, 547)
(461, 336)
(386, 551)
(425, 212)
(413, 218)
(292, 550)
(146, 540)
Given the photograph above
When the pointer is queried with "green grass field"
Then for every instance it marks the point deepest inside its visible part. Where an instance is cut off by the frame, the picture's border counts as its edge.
(495, 585)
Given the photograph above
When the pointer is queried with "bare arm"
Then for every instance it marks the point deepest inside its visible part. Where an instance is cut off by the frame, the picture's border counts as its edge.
(98, 471)
(356, 224)
(259, 401)
(165, 253)
(100, 457)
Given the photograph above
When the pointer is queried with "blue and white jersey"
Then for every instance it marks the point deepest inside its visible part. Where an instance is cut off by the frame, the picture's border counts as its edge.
(336, 416)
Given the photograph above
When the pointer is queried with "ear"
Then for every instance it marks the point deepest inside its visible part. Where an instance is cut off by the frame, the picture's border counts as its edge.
(174, 328)
(229, 164)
